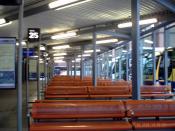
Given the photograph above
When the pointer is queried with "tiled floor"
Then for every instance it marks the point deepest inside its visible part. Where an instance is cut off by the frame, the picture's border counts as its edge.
(8, 107)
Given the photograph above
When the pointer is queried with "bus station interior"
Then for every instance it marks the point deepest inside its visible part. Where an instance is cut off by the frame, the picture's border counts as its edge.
(87, 65)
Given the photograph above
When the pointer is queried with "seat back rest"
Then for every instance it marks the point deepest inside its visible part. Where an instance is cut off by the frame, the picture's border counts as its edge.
(78, 109)
(67, 91)
(150, 108)
(155, 89)
(124, 90)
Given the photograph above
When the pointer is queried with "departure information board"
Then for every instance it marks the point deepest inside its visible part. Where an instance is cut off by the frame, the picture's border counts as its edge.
(7, 62)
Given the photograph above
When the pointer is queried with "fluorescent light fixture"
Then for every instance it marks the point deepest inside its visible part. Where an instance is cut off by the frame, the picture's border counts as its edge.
(84, 55)
(46, 54)
(113, 59)
(118, 57)
(58, 58)
(141, 22)
(148, 41)
(59, 54)
(157, 53)
(42, 48)
(147, 48)
(59, 61)
(60, 3)
(107, 41)
(35, 56)
(73, 61)
(5, 24)
(124, 51)
(2, 21)
(159, 49)
(23, 43)
(61, 47)
(91, 51)
(73, 4)
(78, 59)
(64, 35)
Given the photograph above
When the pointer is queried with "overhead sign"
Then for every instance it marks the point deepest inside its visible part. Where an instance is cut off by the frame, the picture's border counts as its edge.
(7, 62)
(10, 2)
(33, 34)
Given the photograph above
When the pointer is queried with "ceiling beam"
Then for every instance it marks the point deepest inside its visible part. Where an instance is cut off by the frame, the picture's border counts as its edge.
(163, 24)
(169, 4)
(116, 34)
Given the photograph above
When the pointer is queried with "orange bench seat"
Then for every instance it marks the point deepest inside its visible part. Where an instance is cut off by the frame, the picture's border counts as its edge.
(82, 126)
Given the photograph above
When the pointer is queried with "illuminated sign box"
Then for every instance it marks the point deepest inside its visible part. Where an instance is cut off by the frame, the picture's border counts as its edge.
(33, 35)
(7, 62)
(10, 2)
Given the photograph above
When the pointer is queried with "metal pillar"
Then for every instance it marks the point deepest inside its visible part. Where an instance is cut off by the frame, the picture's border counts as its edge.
(120, 68)
(74, 66)
(135, 8)
(48, 70)
(141, 62)
(166, 56)
(107, 58)
(67, 63)
(153, 56)
(115, 68)
(52, 62)
(127, 64)
(38, 73)
(82, 64)
(20, 37)
(45, 71)
(94, 66)
(71, 68)
(27, 89)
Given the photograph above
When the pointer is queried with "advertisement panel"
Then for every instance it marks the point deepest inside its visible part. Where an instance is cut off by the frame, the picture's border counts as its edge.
(7, 62)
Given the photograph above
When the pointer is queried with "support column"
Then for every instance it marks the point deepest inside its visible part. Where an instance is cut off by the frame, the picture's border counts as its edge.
(115, 68)
(127, 64)
(27, 89)
(19, 80)
(135, 9)
(166, 56)
(120, 67)
(67, 68)
(82, 64)
(107, 58)
(45, 70)
(153, 56)
(38, 73)
(71, 68)
(94, 65)
(74, 66)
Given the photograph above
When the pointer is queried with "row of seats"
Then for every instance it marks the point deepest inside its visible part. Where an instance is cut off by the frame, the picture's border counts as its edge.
(85, 115)
(71, 81)
(86, 83)
(147, 92)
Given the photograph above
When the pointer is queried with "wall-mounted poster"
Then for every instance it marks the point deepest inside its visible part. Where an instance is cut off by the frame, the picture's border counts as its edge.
(32, 69)
(7, 62)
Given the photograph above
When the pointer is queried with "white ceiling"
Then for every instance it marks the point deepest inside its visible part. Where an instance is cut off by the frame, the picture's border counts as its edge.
(90, 13)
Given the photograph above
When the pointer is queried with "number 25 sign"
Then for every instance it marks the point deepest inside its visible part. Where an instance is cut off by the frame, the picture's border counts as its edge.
(33, 34)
